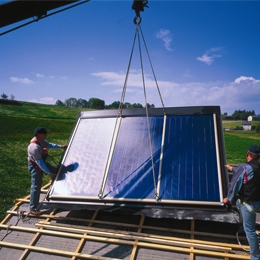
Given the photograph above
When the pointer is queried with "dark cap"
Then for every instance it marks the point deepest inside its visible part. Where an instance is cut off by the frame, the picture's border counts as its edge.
(254, 149)
(40, 130)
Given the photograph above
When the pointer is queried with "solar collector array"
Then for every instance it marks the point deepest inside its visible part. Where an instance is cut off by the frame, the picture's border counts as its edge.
(177, 155)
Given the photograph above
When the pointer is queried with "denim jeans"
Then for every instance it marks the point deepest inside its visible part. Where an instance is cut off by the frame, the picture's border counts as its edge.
(249, 224)
(36, 184)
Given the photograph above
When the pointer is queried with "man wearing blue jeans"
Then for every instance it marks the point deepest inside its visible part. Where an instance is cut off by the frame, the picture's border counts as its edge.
(37, 154)
(246, 183)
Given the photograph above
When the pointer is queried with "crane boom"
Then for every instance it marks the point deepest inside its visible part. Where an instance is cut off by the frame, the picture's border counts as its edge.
(18, 10)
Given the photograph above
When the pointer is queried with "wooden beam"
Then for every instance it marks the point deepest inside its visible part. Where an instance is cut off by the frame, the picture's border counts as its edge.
(135, 236)
(32, 243)
(146, 244)
(80, 229)
(83, 240)
(192, 238)
(133, 254)
(54, 251)
(173, 230)
(107, 240)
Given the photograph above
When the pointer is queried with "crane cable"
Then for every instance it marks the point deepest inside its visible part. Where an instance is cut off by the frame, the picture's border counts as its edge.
(137, 23)
(119, 114)
(158, 89)
(147, 118)
(121, 104)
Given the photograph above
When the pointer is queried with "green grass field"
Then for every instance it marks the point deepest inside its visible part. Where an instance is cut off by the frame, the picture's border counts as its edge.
(16, 129)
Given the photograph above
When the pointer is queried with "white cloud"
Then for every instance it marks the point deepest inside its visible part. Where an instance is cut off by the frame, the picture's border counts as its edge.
(210, 55)
(118, 79)
(134, 80)
(110, 78)
(243, 79)
(166, 37)
(229, 96)
(38, 75)
(48, 100)
(21, 80)
(242, 93)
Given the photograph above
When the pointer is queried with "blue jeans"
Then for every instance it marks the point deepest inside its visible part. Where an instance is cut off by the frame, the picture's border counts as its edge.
(36, 184)
(249, 219)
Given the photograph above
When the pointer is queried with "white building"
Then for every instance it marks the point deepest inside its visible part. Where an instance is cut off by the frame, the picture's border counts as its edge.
(247, 125)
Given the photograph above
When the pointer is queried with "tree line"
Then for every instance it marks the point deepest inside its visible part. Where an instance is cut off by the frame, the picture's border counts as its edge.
(5, 97)
(96, 103)
(93, 103)
(243, 115)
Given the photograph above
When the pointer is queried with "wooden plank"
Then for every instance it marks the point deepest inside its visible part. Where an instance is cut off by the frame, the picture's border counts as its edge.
(135, 239)
(192, 238)
(78, 229)
(83, 240)
(33, 242)
(141, 244)
(73, 235)
(181, 231)
(133, 254)
(131, 236)
(54, 251)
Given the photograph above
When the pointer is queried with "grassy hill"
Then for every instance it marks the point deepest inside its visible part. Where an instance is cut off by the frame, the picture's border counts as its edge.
(237, 142)
(18, 121)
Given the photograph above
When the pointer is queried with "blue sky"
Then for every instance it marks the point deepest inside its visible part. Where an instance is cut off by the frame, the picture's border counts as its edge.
(202, 52)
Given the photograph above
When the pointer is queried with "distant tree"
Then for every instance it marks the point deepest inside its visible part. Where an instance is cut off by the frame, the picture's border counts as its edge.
(82, 103)
(137, 105)
(4, 96)
(12, 97)
(150, 105)
(127, 105)
(257, 128)
(71, 102)
(96, 103)
(242, 114)
(59, 103)
(115, 105)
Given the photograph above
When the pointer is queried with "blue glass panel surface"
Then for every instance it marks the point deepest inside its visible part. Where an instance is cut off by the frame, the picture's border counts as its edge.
(190, 169)
(130, 175)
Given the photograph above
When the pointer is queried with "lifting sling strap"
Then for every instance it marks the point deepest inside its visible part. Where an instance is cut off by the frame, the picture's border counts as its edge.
(44, 156)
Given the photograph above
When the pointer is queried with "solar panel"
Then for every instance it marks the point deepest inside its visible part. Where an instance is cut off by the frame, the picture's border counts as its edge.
(168, 156)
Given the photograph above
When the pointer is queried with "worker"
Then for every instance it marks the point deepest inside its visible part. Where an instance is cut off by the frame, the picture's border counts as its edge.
(37, 165)
(245, 183)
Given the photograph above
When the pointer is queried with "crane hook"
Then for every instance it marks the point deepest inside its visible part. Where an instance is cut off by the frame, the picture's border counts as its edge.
(138, 6)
